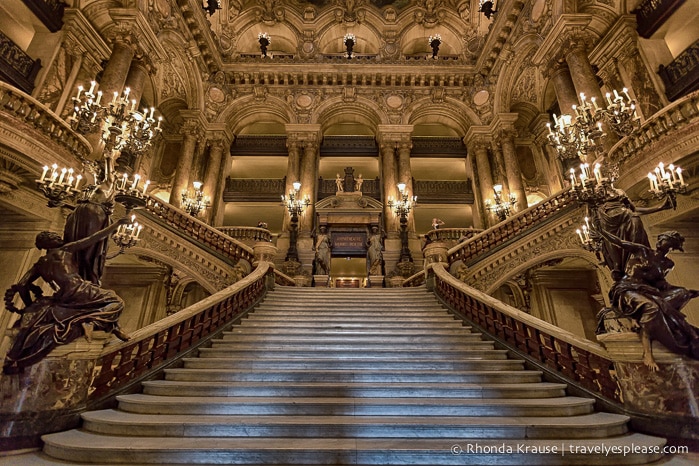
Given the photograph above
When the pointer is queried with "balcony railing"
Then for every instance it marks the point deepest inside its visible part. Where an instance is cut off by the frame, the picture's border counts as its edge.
(16, 66)
(682, 75)
(25, 110)
(247, 235)
(651, 14)
(50, 12)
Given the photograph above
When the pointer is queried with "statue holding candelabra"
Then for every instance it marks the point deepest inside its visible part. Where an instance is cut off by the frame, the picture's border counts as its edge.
(613, 229)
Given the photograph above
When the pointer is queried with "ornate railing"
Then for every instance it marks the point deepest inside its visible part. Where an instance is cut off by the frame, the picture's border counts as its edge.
(27, 110)
(248, 189)
(16, 66)
(283, 279)
(443, 191)
(50, 12)
(452, 234)
(585, 363)
(197, 230)
(671, 119)
(487, 241)
(416, 279)
(682, 75)
(159, 343)
(247, 234)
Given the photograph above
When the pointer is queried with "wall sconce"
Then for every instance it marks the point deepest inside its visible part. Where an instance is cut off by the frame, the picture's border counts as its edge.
(501, 208)
(265, 41)
(434, 42)
(487, 7)
(349, 40)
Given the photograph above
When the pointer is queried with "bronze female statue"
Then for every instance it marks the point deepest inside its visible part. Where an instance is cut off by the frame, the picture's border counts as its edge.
(75, 309)
(322, 248)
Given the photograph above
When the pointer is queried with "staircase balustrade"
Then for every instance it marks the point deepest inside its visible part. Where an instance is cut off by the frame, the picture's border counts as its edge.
(167, 339)
(581, 361)
(478, 246)
(199, 231)
(416, 279)
(283, 279)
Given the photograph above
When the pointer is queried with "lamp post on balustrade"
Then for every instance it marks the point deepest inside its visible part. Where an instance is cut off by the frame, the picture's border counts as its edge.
(295, 206)
(402, 208)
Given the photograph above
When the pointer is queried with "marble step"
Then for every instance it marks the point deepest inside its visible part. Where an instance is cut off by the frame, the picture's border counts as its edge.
(346, 376)
(282, 330)
(356, 364)
(356, 339)
(88, 447)
(377, 406)
(369, 313)
(349, 346)
(114, 422)
(322, 305)
(384, 354)
(379, 318)
(426, 327)
(434, 390)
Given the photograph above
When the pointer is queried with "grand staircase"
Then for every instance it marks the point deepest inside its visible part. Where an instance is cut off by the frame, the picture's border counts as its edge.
(374, 376)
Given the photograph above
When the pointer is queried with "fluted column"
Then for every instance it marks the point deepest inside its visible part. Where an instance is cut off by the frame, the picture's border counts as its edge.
(389, 176)
(514, 173)
(190, 134)
(499, 169)
(405, 174)
(482, 171)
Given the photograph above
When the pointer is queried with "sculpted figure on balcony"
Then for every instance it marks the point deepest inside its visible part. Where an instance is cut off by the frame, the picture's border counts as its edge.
(645, 295)
(91, 215)
(75, 309)
(620, 217)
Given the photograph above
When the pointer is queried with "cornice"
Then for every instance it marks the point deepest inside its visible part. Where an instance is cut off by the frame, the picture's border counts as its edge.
(566, 24)
(615, 42)
(84, 34)
(147, 41)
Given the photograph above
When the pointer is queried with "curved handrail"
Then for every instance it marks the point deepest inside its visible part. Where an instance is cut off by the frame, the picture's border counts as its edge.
(416, 279)
(452, 234)
(280, 278)
(497, 235)
(161, 342)
(25, 108)
(580, 360)
(199, 231)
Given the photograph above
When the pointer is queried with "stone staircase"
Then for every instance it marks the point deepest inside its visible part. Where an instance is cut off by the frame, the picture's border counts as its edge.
(371, 376)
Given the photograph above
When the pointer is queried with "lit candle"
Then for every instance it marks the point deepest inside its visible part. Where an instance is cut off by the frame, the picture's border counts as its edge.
(116, 94)
(80, 90)
(572, 177)
(77, 180)
(586, 233)
(99, 97)
(598, 175)
(43, 175)
(555, 119)
(616, 96)
(133, 218)
(594, 102)
(135, 181)
(92, 86)
(671, 169)
(138, 232)
(626, 92)
(145, 186)
(160, 119)
(580, 236)
(133, 105)
(679, 175)
(609, 98)
(650, 180)
(152, 109)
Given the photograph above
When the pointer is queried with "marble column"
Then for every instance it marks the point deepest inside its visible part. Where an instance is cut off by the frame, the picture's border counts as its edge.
(478, 213)
(514, 173)
(219, 210)
(485, 178)
(389, 174)
(564, 88)
(213, 178)
(136, 81)
(292, 172)
(405, 174)
(500, 168)
(309, 182)
(70, 88)
(190, 133)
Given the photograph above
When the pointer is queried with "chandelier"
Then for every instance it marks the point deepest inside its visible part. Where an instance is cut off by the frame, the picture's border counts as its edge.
(500, 207)
(666, 181)
(124, 128)
(127, 235)
(404, 203)
(195, 203)
(58, 185)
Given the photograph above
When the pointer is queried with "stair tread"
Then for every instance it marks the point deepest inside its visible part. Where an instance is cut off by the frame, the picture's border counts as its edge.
(449, 385)
(114, 416)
